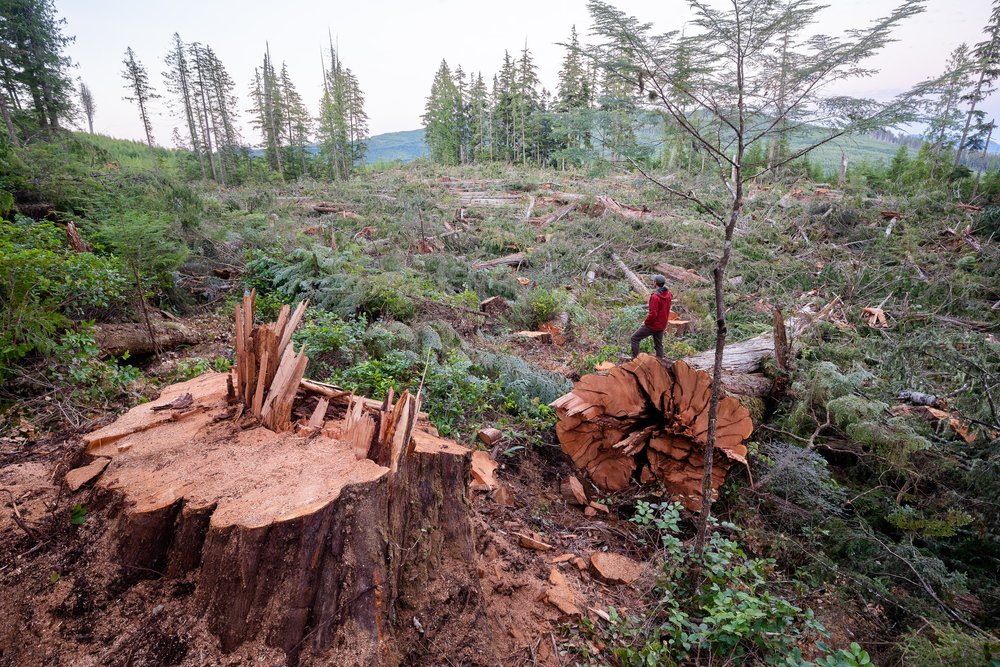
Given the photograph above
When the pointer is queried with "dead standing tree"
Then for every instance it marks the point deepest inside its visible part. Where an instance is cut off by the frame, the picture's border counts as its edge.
(759, 76)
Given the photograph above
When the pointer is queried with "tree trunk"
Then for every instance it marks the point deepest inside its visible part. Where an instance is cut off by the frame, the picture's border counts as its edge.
(11, 131)
(635, 281)
(984, 162)
(719, 275)
(649, 418)
(306, 548)
(968, 120)
(326, 538)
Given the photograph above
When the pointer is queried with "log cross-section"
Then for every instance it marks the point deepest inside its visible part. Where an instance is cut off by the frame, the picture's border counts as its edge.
(649, 420)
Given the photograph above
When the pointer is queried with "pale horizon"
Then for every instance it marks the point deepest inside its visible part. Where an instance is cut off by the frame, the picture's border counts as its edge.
(394, 48)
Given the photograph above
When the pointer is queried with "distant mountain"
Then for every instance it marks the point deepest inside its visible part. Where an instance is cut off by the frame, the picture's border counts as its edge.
(402, 146)
(409, 145)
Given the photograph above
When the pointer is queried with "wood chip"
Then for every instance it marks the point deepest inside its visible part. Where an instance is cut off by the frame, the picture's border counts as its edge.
(615, 568)
(79, 476)
(562, 596)
(543, 337)
(572, 491)
(179, 403)
(483, 472)
(565, 558)
(503, 495)
(490, 436)
(532, 542)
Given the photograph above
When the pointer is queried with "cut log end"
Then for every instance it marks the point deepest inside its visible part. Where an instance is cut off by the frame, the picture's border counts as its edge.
(647, 421)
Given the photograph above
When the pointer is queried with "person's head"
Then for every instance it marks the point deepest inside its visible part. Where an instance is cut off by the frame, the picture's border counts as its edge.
(659, 281)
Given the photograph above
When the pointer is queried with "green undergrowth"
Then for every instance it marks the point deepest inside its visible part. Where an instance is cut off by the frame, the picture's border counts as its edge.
(735, 615)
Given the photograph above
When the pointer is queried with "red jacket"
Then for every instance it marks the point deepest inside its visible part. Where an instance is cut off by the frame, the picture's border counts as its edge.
(659, 310)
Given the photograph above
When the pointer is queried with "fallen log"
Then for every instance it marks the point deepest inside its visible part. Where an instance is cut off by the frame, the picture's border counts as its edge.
(679, 275)
(647, 420)
(746, 356)
(306, 545)
(635, 281)
(134, 339)
(516, 259)
(624, 210)
(553, 217)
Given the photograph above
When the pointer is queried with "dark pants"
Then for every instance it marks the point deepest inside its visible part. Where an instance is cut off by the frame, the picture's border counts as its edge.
(645, 332)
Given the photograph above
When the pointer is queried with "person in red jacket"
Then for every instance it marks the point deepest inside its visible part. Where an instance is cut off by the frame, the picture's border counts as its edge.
(656, 320)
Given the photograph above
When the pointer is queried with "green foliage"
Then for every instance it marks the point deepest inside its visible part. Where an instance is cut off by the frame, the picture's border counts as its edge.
(383, 337)
(455, 393)
(76, 367)
(188, 369)
(945, 644)
(735, 614)
(800, 476)
(851, 408)
(43, 283)
(914, 523)
(536, 308)
(525, 386)
(146, 242)
(78, 515)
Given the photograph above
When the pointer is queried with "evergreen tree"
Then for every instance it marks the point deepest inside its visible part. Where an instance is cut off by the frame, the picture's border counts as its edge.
(220, 98)
(461, 115)
(178, 80)
(505, 110)
(357, 120)
(986, 55)
(442, 125)
(88, 106)
(267, 111)
(946, 117)
(526, 104)
(37, 88)
(573, 89)
(297, 122)
(573, 121)
(479, 119)
(334, 131)
(137, 83)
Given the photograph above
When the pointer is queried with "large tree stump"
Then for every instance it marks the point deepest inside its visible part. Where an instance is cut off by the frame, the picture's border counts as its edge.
(324, 537)
(648, 420)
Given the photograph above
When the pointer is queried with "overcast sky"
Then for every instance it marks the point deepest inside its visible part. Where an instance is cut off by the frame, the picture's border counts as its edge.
(395, 46)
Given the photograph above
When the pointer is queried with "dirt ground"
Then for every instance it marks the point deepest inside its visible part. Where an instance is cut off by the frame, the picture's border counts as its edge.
(68, 600)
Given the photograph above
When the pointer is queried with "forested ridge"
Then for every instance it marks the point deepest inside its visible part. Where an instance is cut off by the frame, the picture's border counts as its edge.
(261, 401)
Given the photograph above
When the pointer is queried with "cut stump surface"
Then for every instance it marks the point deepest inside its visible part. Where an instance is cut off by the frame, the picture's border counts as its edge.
(292, 541)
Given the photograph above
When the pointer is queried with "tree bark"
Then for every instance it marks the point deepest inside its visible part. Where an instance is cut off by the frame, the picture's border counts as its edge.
(635, 281)
(9, 123)
(310, 549)
(968, 120)
(985, 162)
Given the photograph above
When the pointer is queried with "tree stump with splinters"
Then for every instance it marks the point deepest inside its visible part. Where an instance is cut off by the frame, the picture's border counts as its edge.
(323, 536)
(645, 420)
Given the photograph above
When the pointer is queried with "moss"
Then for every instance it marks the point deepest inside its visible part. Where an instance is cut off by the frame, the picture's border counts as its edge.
(428, 339)
(756, 405)
(449, 337)
(894, 442)
(851, 408)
